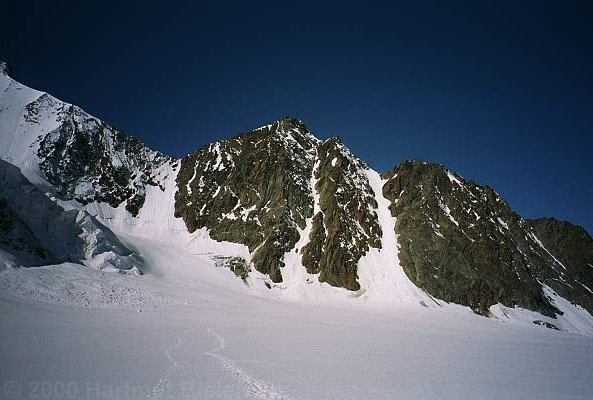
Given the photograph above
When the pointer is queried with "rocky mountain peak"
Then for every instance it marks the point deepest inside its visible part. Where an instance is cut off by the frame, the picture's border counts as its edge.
(288, 123)
(286, 132)
(88, 160)
(262, 187)
(419, 167)
(334, 140)
(462, 242)
(5, 69)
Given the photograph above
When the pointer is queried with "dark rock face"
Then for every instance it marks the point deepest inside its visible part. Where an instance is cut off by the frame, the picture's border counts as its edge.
(462, 243)
(237, 265)
(17, 237)
(255, 189)
(251, 189)
(546, 324)
(571, 246)
(345, 227)
(88, 160)
(5, 69)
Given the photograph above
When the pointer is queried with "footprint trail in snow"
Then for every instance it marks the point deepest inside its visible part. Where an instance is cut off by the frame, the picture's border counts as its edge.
(256, 388)
(162, 386)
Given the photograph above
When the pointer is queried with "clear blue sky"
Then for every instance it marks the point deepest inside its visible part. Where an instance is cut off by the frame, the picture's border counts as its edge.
(501, 92)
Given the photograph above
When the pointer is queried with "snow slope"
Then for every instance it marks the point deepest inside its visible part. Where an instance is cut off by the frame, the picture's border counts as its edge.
(381, 277)
(18, 137)
(198, 333)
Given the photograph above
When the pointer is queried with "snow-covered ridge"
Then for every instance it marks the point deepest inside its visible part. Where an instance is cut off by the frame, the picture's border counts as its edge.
(85, 159)
(18, 137)
(47, 177)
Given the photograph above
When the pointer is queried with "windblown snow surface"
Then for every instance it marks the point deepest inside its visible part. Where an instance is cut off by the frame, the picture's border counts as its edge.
(188, 329)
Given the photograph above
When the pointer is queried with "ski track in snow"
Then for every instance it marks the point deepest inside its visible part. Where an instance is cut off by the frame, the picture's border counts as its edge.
(255, 388)
(162, 386)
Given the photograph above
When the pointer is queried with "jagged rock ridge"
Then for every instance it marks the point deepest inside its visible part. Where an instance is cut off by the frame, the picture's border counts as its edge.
(462, 243)
(16, 237)
(262, 188)
(571, 247)
(89, 160)
(345, 227)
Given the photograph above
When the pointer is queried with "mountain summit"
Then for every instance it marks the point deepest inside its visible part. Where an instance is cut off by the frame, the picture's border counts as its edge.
(277, 186)
(278, 205)
(4, 68)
